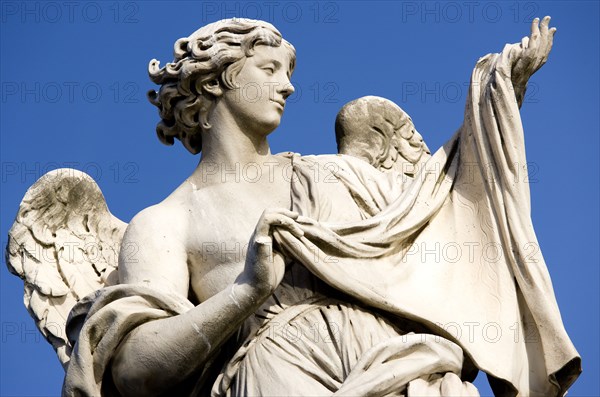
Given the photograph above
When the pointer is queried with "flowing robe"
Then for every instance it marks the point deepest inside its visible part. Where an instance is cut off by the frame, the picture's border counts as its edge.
(453, 250)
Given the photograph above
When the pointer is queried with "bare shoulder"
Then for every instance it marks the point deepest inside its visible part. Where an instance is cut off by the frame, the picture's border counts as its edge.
(154, 248)
(154, 224)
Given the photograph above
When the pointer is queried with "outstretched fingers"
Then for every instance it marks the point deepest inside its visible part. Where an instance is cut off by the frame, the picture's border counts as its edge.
(535, 29)
(537, 47)
(544, 25)
(547, 37)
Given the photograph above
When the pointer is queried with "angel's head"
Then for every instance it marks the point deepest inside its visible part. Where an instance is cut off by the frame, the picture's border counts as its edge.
(205, 64)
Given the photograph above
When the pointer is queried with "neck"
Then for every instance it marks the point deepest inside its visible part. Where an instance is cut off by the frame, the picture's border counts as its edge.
(228, 145)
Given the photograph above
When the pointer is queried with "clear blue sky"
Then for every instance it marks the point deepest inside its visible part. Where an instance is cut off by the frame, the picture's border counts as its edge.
(73, 83)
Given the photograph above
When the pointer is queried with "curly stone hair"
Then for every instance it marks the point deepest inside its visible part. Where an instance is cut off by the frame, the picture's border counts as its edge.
(214, 54)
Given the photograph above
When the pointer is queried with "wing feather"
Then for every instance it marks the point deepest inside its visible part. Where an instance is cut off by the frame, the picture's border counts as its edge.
(379, 132)
(64, 245)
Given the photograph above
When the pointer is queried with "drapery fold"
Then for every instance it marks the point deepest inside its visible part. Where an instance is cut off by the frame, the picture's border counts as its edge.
(453, 249)
(100, 322)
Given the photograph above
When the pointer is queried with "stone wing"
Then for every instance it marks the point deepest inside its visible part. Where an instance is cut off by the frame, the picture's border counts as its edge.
(64, 245)
(378, 131)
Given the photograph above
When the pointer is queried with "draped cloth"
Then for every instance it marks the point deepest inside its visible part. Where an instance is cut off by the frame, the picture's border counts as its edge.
(328, 347)
(316, 346)
(455, 250)
(100, 322)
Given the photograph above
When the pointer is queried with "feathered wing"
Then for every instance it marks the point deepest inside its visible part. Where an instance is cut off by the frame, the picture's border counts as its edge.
(378, 131)
(64, 244)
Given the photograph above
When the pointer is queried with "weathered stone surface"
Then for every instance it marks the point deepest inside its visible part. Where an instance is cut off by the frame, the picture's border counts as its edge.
(322, 293)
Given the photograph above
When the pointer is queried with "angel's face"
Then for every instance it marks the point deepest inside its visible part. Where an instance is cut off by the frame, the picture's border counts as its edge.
(263, 85)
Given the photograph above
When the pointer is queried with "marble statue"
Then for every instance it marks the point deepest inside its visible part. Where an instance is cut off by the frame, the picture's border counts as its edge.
(325, 292)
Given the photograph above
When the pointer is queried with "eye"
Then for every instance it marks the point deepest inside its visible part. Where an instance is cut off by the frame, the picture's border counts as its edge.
(269, 69)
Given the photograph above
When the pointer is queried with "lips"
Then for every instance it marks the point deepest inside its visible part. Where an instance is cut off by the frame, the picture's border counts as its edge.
(280, 103)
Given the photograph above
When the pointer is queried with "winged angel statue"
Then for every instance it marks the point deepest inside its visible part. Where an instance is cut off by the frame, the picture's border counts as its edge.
(305, 278)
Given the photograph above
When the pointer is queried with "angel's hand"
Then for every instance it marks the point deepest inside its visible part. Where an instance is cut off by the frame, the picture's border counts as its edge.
(265, 268)
(534, 51)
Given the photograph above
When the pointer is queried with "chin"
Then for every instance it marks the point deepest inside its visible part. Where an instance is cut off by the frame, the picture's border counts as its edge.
(269, 127)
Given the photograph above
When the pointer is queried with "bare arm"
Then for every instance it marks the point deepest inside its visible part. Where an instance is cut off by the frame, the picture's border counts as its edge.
(162, 353)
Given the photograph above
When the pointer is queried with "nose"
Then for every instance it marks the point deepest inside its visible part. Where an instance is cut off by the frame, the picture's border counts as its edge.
(286, 89)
